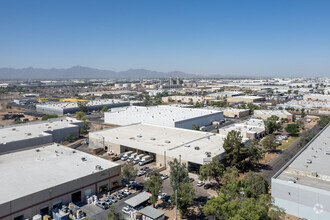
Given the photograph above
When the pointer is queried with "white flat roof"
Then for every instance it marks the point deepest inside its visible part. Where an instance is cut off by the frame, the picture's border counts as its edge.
(246, 97)
(250, 125)
(34, 129)
(271, 112)
(28, 171)
(320, 163)
(64, 105)
(159, 115)
(157, 139)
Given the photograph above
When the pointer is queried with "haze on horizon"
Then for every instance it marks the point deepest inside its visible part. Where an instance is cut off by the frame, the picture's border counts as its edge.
(257, 37)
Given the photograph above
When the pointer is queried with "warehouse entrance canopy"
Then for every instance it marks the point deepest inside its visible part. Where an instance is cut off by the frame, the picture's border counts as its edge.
(138, 199)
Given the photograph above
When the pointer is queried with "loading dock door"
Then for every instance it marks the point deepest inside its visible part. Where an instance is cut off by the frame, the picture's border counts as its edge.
(76, 197)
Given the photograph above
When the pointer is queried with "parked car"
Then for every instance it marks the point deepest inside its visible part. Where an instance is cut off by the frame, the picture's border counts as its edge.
(127, 210)
(207, 186)
(164, 176)
(190, 180)
(127, 192)
(112, 199)
(161, 195)
(102, 204)
(141, 173)
(107, 201)
(200, 183)
(145, 168)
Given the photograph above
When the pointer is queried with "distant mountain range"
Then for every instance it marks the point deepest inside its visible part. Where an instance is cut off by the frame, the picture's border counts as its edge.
(86, 72)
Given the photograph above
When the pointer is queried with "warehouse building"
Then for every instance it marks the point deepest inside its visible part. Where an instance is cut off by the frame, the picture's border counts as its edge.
(224, 94)
(235, 112)
(302, 186)
(184, 99)
(62, 108)
(245, 99)
(264, 114)
(163, 115)
(35, 181)
(163, 143)
(251, 129)
(16, 137)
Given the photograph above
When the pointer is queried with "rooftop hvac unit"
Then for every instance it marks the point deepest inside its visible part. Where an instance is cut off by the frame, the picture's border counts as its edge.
(308, 161)
(314, 174)
(98, 167)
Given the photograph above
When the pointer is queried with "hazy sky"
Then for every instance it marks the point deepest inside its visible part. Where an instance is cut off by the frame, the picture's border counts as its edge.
(265, 37)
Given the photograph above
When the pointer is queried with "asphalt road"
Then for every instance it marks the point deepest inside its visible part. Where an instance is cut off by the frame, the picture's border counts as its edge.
(278, 162)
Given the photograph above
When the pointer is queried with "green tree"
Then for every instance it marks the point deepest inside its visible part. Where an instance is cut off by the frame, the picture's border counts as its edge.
(106, 96)
(154, 185)
(269, 142)
(212, 171)
(8, 106)
(80, 116)
(301, 124)
(254, 154)
(178, 174)
(323, 121)
(305, 137)
(255, 185)
(82, 106)
(128, 171)
(252, 107)
(105, 109)
(185, 198)
(303, 113)
(235, 151)
(71, 138)
(221, 207)
(112, 214)
(292, 129)
(195, 127)
(272, 124)
(46, 117)
(230, 175)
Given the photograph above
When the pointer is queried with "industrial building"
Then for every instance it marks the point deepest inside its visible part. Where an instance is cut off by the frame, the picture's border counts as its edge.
(302, 186)
(184, 99)
(163, 143)
(34, 181)
(62, 108)
(16, 137)
(251, 128)
(245, 99)
(163, 115)
(224, 94)
(264, 114)
(235, 112)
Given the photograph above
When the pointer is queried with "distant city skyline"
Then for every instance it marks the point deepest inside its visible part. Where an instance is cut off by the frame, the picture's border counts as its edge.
(261, 38)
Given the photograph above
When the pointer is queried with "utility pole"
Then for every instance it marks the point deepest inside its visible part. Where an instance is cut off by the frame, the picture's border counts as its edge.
(176, 204)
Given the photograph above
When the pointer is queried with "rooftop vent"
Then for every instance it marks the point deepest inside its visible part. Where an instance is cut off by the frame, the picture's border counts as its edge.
(139, 136)
(196, 148)
(308, 161)
(37, 150)
(98, 167)
(83, 159)
(14, 129)
(187, 145)
(152, 138)
(327, 152)
(167, 141)
(292, 181)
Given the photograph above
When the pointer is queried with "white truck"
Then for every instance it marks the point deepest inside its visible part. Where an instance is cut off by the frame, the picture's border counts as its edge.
(126, 155)
(138, 158)
(145, 160)
(131, 158)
